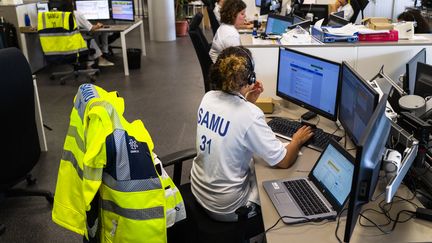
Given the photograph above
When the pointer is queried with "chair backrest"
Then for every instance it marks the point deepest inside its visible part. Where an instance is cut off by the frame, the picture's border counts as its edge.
(59, 36)
(358, 6)
(209, 3)
(202, 48)
(21, 149)
(214, 23)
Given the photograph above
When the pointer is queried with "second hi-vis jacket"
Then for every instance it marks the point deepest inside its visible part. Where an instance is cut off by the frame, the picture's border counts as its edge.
(104, 153)
(58, 34)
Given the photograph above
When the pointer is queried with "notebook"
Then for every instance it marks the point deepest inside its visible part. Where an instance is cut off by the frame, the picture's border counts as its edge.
(330, 180)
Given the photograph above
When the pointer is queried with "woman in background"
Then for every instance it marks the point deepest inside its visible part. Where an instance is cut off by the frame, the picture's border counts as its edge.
(233, 17)
(421, 25)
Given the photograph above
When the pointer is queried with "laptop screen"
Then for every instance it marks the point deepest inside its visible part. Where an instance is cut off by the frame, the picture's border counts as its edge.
(334, 172)
(277, 24)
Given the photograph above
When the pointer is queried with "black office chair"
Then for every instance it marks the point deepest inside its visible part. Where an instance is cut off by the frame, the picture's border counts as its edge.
(209, 3)
(214, 23)
(78, 59)
(21, 149)
(358, 7)
(202, 48)
(198, 226)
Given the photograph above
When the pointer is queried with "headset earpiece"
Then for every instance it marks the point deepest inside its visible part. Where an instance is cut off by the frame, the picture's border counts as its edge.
(251, 78)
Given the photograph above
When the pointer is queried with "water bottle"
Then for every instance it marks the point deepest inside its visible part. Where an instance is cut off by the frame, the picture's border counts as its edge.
(27, 20)
(255, 25)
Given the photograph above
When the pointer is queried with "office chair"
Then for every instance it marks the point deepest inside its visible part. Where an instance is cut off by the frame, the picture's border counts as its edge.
(198, 226)
(358, 7)
(202, 48)
(54, 54)
(21, 149)
(214, 23)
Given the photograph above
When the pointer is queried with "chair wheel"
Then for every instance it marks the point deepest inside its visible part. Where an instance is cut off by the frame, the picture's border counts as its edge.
(92, 79)
(97, 73)
(62, 82)
(52, 77)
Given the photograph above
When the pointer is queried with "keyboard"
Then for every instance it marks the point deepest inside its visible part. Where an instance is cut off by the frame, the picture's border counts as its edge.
(306, 197)
(286, 128)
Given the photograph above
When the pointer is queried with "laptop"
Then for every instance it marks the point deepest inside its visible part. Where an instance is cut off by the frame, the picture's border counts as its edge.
(328, 183)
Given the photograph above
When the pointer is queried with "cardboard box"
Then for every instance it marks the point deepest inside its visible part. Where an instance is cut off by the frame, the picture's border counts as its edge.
(378, 23)
(265, 104)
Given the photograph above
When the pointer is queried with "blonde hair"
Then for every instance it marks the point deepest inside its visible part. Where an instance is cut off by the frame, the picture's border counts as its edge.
(231, 70)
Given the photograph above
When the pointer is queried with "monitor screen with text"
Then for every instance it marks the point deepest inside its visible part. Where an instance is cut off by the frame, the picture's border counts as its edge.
(94, 9)
(309, 81)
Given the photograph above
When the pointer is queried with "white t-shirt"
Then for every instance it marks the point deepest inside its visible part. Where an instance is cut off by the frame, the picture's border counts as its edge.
(82, 21)
(226, 36)
(216, 11)
(229, 131)
(348, 11)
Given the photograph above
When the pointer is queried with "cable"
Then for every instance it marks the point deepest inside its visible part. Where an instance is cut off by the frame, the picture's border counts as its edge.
(337, 224)
(289, 217)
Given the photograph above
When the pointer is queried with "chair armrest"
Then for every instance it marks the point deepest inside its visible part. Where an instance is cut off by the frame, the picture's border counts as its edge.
(177, 159)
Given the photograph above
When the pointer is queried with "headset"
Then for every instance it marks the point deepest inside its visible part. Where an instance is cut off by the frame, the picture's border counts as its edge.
(251, 78)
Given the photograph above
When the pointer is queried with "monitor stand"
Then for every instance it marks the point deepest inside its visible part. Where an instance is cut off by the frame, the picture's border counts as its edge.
(308, 115)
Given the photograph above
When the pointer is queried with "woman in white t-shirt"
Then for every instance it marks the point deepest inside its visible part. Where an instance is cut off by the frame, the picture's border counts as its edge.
(230, 130)
(343, 5)
(233, 17)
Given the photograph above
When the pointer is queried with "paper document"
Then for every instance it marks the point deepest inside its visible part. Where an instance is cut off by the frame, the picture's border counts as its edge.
(347, 30)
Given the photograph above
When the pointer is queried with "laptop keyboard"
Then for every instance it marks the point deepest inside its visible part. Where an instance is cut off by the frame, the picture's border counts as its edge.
(286, 129)
(306, 197)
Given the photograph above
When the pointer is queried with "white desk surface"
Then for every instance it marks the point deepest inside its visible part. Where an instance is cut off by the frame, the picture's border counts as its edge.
(411, 231)
(421, 39)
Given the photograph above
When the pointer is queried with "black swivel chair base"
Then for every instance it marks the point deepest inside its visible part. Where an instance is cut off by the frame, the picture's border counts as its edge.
(89, 73)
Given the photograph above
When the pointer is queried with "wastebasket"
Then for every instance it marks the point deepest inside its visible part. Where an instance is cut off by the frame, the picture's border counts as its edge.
(134, 58)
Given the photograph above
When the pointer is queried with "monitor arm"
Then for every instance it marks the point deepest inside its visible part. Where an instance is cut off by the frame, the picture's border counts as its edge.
(381, 74)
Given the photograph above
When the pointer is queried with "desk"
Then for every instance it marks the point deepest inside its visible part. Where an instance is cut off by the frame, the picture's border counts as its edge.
(413, 230)
(124, 29)
(366, 57)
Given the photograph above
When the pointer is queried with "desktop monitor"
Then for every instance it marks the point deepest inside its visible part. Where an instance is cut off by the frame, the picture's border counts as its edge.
(309, 81)
(277, 24)
(94, 9)
(270, 6)
(258, 3)
(411, 70)
(122, 10)
(337, 21)
(423, 83)
(319, 11)
(369, 154)
(357, 103)
(42, 7)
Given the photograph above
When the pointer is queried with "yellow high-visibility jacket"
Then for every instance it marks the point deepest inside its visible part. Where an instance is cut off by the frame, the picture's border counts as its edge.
(58, 34)
(105, 153)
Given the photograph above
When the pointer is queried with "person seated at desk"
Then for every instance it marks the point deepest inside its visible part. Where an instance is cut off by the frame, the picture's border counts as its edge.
(233, 16)
(344, 5)
(421, 24)
(83, 23)
(230, 130)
